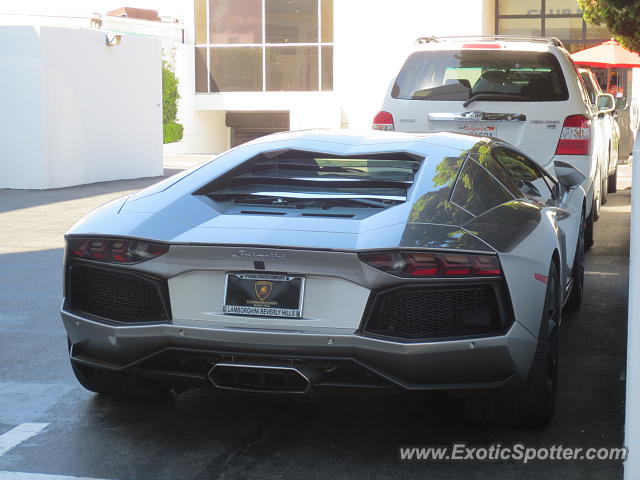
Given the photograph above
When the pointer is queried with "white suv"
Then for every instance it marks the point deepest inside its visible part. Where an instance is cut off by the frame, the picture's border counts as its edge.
(526, 91)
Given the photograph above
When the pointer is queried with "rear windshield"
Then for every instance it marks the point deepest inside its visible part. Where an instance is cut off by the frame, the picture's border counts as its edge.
(459, 75)
(307, 179)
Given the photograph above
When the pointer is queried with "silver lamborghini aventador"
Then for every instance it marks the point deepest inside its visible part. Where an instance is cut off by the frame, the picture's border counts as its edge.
(317, 259)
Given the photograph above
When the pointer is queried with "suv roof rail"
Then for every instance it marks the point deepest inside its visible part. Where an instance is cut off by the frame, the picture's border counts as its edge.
(507, 38)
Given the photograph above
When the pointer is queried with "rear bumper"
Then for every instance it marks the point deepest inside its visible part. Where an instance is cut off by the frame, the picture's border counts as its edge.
(184, 354)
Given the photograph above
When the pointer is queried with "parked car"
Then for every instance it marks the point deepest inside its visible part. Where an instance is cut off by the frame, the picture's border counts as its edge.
(525, 91)
(610, 134)
(319, 259)
(627, 116)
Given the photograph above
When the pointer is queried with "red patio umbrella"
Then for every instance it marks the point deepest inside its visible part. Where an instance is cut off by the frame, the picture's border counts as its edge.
(609, 54)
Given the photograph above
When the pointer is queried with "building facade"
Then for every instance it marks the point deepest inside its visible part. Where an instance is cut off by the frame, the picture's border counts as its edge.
(253, 67)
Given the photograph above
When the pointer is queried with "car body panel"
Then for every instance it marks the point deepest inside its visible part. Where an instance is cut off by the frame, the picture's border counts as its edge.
(206, 241)
(607, 123)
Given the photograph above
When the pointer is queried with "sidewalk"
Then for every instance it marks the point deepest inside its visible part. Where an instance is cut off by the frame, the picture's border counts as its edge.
(182, 162)
(624, 175)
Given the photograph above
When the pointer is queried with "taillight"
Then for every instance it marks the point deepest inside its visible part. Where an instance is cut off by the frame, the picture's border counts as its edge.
(383, 121)
(418, 264)
(110, 250)
(575, 136)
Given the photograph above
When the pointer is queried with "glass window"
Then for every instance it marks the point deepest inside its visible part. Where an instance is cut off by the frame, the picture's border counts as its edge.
(564, 28)
(530, 180)
(327, 68)
(201, 69)
(291, 21)
(476, 191)
(236, 69)
(292, 68)
(235, 21)
(519, 7)
(294, 35)
(487, 161)
(527, 27)
(327, 21)
(458, 75)
(562, 7)
(561, 19)
(591, 88)
(598, 32)
(201, 21)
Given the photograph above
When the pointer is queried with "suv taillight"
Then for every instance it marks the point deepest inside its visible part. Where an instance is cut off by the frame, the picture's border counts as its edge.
(575, 136)
(112, 250)
(418, 264)
(383, 121)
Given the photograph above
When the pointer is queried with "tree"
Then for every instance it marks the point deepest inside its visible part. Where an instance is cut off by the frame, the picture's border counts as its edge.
(621, 17)
(172, 130)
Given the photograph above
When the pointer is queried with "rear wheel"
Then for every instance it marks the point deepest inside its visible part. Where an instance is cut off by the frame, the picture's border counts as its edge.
(117, 384)
(603, 189)
(536, 402)
(613, 182)
(532, 405)
(588, 229)
(577, 288)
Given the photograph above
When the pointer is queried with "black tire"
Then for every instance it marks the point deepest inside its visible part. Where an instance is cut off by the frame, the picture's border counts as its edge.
(118, 384)
(613, 182)
(577, 288)
(603, 190)
(533, 405)
(588, 230)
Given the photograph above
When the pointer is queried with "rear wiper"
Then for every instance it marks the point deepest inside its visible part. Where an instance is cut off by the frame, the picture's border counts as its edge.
(509, 97)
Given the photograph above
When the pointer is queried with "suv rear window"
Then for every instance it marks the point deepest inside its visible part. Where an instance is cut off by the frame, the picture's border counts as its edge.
(458, 75)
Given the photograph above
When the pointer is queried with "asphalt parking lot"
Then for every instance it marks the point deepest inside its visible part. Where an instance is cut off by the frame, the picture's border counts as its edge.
(51, 428)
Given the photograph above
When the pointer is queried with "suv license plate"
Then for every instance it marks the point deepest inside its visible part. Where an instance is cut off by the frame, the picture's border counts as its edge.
(484, 130)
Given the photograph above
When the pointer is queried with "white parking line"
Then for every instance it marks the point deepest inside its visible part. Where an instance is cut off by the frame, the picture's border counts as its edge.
(38, 476)
(21, 433)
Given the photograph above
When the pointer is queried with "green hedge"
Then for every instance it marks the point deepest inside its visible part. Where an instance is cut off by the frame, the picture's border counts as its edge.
(172, 132)
(171, 129)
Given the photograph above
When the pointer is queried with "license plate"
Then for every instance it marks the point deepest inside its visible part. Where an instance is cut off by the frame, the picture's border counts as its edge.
(262, 294)
(484, 130)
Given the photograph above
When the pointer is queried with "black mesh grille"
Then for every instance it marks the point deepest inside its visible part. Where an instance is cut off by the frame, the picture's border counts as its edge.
(410, 312)
(116, 296)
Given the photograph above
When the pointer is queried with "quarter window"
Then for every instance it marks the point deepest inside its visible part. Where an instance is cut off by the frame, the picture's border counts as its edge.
(531, 182)
(477, 190)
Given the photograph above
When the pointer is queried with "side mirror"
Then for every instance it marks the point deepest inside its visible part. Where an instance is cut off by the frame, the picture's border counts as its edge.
(606, 103)
(568, 175)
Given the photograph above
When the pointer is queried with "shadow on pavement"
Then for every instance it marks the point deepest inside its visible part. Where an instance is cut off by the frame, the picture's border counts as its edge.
(19, 199)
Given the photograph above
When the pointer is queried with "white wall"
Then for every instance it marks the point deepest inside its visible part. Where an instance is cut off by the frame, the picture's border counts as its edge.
(373, 37)
(22, 108)
(632, 404)
(77, 111)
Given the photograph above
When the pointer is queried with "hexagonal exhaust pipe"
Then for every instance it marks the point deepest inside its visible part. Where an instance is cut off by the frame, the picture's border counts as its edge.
(249, 377)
